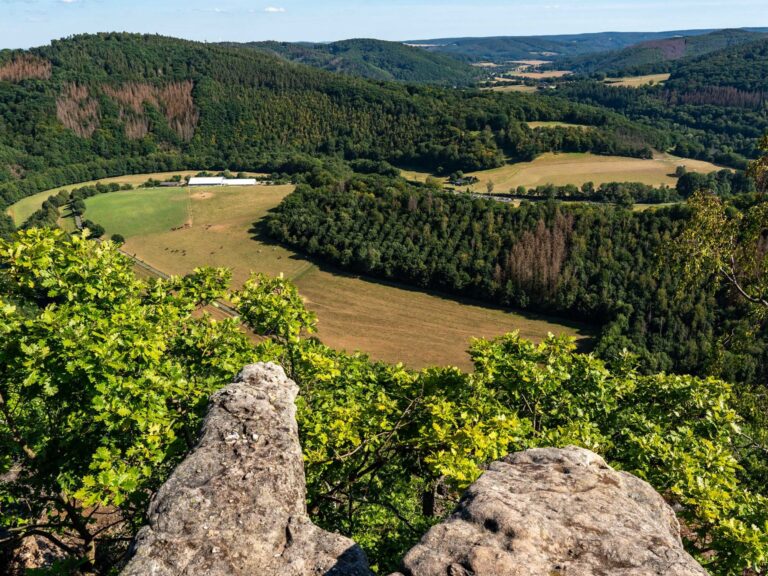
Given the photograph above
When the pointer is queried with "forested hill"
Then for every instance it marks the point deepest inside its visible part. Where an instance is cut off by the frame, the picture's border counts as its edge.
(744, 68)
(660, 55)
(375, 59)
(503, 48)
(94, 105)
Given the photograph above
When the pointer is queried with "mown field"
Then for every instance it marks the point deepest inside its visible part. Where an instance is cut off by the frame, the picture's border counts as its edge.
(388, 322)
(637, 81)
(24, 208)
(555, 125)
(513, 88)
(578, 168)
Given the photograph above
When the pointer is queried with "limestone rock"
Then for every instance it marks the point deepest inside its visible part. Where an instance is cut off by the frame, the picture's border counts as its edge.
(236, 505)
(553, 512)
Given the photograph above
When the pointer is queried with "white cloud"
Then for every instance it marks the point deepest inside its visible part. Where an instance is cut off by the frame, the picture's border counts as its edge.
(273, 9)
(69, 1)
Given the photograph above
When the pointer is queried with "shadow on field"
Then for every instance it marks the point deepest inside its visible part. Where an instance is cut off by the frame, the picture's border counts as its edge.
(587, 332)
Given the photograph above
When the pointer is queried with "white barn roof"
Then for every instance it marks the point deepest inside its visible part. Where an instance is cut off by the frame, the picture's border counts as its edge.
(206, 181)
(240, 182)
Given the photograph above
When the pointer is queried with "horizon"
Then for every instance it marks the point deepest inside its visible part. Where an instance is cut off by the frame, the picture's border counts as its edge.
(30, 23)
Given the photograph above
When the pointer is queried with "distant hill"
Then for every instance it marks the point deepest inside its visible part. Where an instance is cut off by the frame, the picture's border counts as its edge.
(375, 60)
(558, 47)
(659, 55)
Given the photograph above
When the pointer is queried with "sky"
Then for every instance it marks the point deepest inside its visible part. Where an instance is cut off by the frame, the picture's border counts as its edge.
(25, 23)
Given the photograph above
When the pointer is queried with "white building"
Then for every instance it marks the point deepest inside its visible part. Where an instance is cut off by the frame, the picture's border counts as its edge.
(206, 181)
(221, 181)
(240, 182)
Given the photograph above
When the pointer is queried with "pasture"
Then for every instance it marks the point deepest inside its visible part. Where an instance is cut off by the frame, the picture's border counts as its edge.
(389, 322)
(637, 81)
(25, 207)
(578, 168)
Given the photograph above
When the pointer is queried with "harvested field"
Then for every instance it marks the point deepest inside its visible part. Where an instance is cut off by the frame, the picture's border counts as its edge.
(389, 322)
(556, 125)
(637, 81)
(513, 88)
(578, 168)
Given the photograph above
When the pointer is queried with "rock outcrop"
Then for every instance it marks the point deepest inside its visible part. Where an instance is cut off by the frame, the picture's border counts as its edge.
(552, 512)
(236, 506)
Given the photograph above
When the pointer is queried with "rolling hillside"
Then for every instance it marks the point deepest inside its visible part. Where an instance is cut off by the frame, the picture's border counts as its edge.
(660, 54)
(376, 60)
(93, 106)
(558, 47)
(743, 68)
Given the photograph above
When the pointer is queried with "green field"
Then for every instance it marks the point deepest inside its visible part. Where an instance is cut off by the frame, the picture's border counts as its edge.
(389, 322)
(139, 212)
(578, 168)
(25, 207)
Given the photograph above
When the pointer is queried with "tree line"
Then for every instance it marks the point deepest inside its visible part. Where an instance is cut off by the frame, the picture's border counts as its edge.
(590, 262)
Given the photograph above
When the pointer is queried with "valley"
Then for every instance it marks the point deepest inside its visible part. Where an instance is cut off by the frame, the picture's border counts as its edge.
(507, 242)
(390, 322)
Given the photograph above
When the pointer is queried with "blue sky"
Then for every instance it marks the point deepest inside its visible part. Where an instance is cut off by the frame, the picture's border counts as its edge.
(25, 23)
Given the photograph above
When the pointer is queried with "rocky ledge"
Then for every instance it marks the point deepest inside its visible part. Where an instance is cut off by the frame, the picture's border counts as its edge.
(236, 507)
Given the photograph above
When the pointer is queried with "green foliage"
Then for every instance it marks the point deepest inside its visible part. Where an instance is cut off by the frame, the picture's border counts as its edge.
(104, 378)
(729, 245)
(376, 60)
(103, 381)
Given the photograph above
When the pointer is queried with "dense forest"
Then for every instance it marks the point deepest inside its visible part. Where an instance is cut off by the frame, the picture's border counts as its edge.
(599, 264)
(719, 129)
(376, 60)
(743, 68)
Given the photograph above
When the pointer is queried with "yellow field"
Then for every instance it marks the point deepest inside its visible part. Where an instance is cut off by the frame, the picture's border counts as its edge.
(388, 322)
(531, 62)
(25, 207)
(546, 75)
(555, 125)
(578, 168)
(636, 81)
(513, 88)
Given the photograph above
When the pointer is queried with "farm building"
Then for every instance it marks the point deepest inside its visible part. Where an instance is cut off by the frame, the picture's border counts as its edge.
(221, 181)
(207, 181)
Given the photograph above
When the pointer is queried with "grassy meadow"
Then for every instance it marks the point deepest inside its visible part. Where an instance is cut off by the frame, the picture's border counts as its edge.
(25, 207)
(389, 322)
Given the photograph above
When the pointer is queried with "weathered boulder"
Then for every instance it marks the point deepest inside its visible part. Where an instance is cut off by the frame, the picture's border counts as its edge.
(551, 512)
(236, 506)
